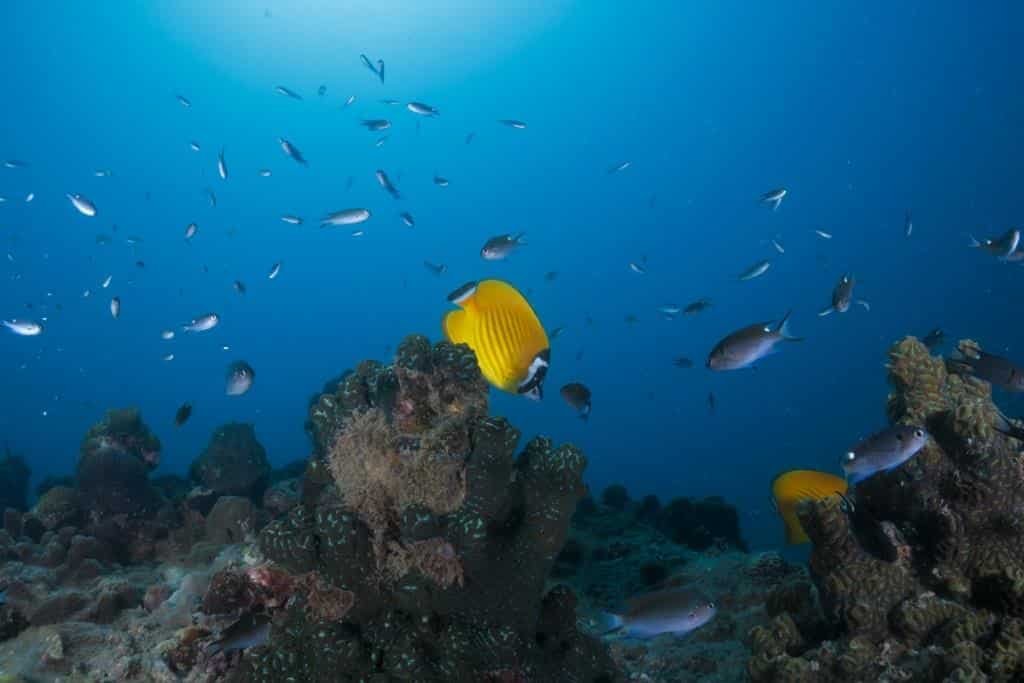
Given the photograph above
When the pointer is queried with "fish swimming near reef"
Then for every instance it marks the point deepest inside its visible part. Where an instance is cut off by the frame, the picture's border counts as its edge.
(499, 247)
(995, 370)
(789, 488)
(578, 397)
(677, 610)
(745, 346)
(883, 451)
(251, 630)
(240, 377)
(842, 296)
(202, 323)
(756, 270)
(498, 323)
(933, 338)
(182, 414)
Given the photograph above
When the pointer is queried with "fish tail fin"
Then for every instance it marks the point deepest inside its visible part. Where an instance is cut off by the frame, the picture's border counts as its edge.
(783, 328)
(612, 623)
(775, 204)
(972, 242)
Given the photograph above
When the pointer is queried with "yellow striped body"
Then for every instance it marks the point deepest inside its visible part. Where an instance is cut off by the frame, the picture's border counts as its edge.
(501, 327)
(789, 488)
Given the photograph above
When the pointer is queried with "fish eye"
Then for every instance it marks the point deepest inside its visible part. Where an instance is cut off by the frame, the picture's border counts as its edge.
(692, 615)
(919, 433)
(851, 456)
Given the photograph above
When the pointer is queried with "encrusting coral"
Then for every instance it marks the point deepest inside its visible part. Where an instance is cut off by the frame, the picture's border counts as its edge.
(923, 578)
(419, 509)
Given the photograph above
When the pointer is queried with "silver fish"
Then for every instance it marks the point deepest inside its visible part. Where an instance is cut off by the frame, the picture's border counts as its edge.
(184, 101)
(292, 151)
(1001, 247)
(167, 335)
(440, 181)
(499, 247)
(29, 197)
(274, 271)
(222, 167)
(422, 109)
(102, 173)
(15, 163)
(407, 218)
(883, 451)
(512, 123)
(293, 220)
(745, 346)
(778, 247)
(287, 92)
(670, 310)
(190, 231)
(240, 377)
(375, 124)
(212, 197)
(82, 204)
(756, 270)
(168, 357)
(264, 172)
(106, 281)
(115, 307)
(380, 141)
(24, 328)
(621, 166)
(823, 235)
(345, 217)
(357, 233)
(194, 146)
(774, 197)
(202, 323)
(908, 224)
(385, 182)
(675, 610)
(239, 286)
(349, 101)
(637, 268)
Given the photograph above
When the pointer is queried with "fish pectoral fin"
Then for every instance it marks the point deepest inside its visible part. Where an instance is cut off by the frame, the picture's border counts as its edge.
(825, 311)
(865, 304)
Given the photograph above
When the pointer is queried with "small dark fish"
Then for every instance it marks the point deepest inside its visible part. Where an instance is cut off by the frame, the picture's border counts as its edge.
(683, 362)
(512, 123)
(883, 451)
(555, 333)
(550, 276)
(773, 198)
(422, 109)
(621, 166)
(140, 264)
(240, 377)
(184, 412)
(252, 630)
(711, 402)
(367, 63)
(348, 183)
(183, 101)
(239, 286)
(469, 137)
(908, 224)
(385, 182)
(697, 306)
(1005, 425)
(435, 268)
(631, 319)
(322, 90)
(675, 610)
(212, 198)
(375, 124)
(933, 338)
(380, 69)
(578, 397)
(499, 247)
(440, 181)
(1001, 247)
(745, 346)
(991, 368)
(407, 218)
(842, 296)
(292, 151)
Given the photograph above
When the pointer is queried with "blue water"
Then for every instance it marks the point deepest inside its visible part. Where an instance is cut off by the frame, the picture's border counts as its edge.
(862, 110)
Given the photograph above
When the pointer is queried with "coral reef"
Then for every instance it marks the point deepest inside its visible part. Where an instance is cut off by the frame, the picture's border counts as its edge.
(419, 509)
(114, 462)
(699, 524)
(924, 578)
(233, 463)
(14, 476)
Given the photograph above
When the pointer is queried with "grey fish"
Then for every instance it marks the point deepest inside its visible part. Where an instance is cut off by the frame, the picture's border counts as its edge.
(274, 271)
(385, 182)
(292, 220)
(191, 230)
(375, 124)
(933, 338)
(288, 92)
(115, 308)
(24, 328)
(756, 270)
(252, 630)
(292, 151)
(745, 346)
(240, 377)
(512, 123)
(469, 137)
(676, 610)
(637, 268)
(989, 367)
(1008, 426)
(683, 362)
(202, 323)
(239, 286)
(194, 146)
(183, 101)
(1001, 247)
(697, 306)
(555, 333)
(322, 90)
(435, 268)
(774, 197)
(212, 197)
(422, 109)
(407, 218)
(15, 163)
(578, 397)
(368, 64)
(380, 141)
(621, 166)
(842, 295)
(441, 181)
(82, 205)
(389, 102)
(499, 247)
(883, 451)
(908, 224)
(348, 101)
(380, 69)
(345, 217)
(222, 167)
(264, 172)
(102, 173)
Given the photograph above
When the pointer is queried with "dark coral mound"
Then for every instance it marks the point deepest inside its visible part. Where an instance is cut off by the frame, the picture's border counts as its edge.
(114, 462)
(700, 524)
(420, 509)
(924, 581)
(14, 476)
(234, 463)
